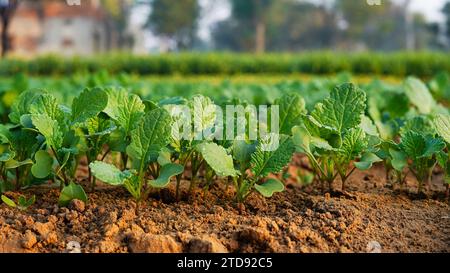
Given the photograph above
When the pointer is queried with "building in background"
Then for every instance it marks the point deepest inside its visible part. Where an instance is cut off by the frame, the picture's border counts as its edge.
(42, 27)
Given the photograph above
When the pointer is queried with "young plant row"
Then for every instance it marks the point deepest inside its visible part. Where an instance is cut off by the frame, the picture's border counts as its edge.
(45, 142)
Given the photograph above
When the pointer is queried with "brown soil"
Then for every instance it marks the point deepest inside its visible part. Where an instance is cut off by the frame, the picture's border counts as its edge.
(301, 219)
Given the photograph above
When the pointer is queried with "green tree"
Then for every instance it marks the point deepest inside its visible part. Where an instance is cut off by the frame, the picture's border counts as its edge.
(446, 11)
(176, 20)
(117, 13)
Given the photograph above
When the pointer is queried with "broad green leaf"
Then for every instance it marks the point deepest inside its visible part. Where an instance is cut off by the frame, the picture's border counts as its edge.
(217, 158)
(164, 157)
(13, 164)
(416, 145)
(46, 104)
(5, 153)
(419, 124)
(442, 126)
(354, 143)
(203, 112)
(43, 165)
(125, 108)
(342, 110)
(152, 133)
(291, 107)
(167, 172)
(88, 104)
(443, 160)
(99, 126)
(149, 105)
(108, 173)
(268, 188)
(71, 192)
(399, 159)
(8, 201)
(265, 162)
(301, 138)
(413, 144)
(242, 151)
(368, 126)
(5, 134)
(21, 106)
(432, 146)
(419, 95)
(50, 129)
(367, 161)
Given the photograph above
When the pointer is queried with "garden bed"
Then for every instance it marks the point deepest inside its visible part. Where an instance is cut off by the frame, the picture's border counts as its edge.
(301, 219)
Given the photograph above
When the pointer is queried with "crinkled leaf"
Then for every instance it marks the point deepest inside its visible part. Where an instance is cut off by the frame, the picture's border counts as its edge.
(167, 172)
(99, 126)
(419, 124)
(152, 133)
(43, 164)
(125, 108)
(46, 104)
(268, 188)
(432, 146)
(50, 129)
(419, 95)
(71, 192)
(354, 143)
(265, 162)
(342, 110)
(291, 107)
(88, 104)
(217, 158)
(442, 125)
(413, 144)
(203, 112)
(443, 159)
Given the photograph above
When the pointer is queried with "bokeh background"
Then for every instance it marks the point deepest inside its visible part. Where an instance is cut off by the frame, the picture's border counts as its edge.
(31, 28)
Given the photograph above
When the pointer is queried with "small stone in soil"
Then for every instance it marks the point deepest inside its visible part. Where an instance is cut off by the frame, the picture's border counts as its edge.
(77, 205)
(73, 247)
(28, 240)
(373, 247)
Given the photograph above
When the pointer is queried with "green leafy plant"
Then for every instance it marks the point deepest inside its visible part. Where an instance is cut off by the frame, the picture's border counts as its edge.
(22, 202)
(335, 134)
(147, 140)
(421, 150)
(442, 126)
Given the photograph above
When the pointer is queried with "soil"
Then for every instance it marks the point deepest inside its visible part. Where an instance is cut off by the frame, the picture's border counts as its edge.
(372, 216)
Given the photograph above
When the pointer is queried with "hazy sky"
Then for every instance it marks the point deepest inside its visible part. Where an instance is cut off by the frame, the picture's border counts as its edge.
(216, 10)
(431, 8)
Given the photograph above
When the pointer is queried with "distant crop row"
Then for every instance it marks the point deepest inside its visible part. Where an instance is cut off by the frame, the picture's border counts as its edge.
(128, 141)
(397, 64)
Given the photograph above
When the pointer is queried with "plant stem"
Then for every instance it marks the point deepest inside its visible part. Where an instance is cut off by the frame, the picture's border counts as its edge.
(177, 190)
(17, 179)
(105, 154)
